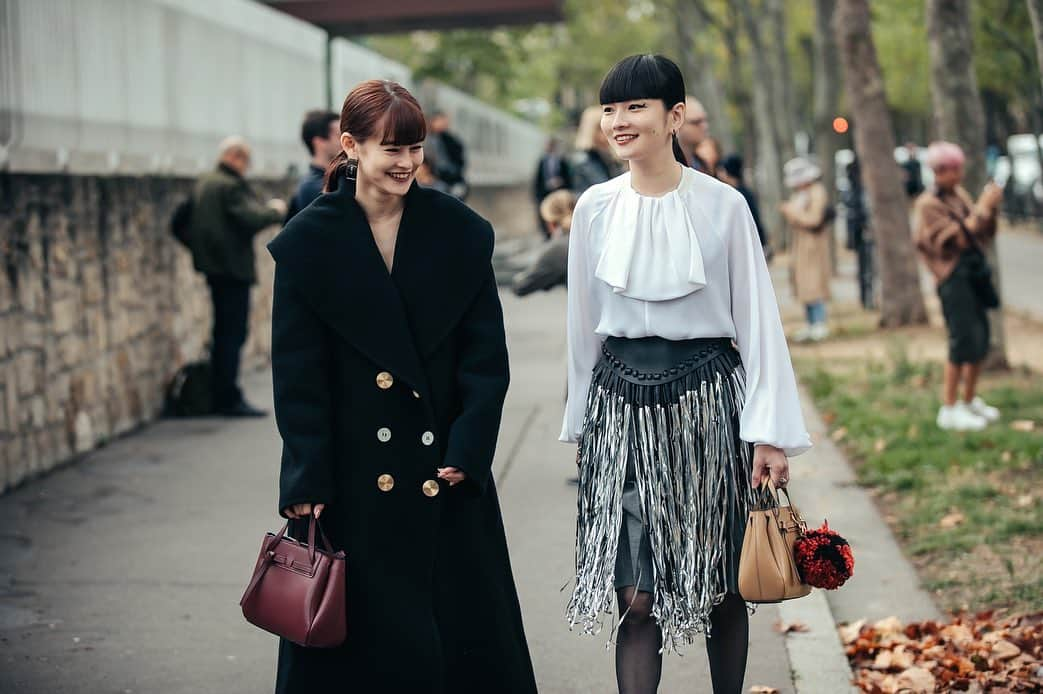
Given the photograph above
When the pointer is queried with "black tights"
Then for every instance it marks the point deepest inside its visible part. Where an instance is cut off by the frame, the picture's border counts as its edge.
(639, 664)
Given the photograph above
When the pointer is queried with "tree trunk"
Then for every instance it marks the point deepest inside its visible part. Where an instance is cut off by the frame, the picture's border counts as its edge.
(700, 71)
(769, 164)
(826, 89)
(959, 118)
(1036, 16)
(774, 21)
(901, 300)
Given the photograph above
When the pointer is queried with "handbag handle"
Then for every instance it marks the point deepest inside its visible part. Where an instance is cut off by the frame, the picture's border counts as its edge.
(269, 551)
(776, 493)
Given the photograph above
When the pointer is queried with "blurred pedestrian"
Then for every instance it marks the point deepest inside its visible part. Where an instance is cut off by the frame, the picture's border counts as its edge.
(224, 219)
(665, 277)
(425, 176)
(859, 237)
(552, 173)
(390, 369)
(449, 154)
(320, 132)
(709, 153)
(549, 268)
(911, 167)
(731, 172)
(592, 162)
(951, 231)
(696, 128)
(810, 217)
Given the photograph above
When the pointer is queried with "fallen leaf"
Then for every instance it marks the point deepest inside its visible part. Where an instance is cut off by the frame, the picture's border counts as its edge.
(1025, 500)
(1006, 456)
(958, 634)
(791, 627)
(1025, 425)
(916, 679)
(763, 689)
(889, 625)
(839, 434)
(951, 520)
(1005, 650)
(880, 445)
(849, 632)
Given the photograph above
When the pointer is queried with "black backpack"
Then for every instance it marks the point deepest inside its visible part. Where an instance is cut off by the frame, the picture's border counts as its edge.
(189, 393)
(180, 221)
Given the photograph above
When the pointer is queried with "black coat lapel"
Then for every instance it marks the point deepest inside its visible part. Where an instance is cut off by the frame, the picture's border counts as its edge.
(442, 256)
(329, 250)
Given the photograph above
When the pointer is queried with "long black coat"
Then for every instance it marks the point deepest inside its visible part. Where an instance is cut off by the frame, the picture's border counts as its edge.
(396, 374)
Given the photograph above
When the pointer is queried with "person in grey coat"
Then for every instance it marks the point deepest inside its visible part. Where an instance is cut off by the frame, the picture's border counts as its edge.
(549, 268)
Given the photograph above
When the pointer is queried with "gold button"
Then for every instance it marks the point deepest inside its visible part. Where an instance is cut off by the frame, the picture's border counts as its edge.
(385, 380)
(385, 482)
(431, 488)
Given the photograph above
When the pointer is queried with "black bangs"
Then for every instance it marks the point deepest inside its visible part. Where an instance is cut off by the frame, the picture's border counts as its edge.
(404, 124)
(643, 77)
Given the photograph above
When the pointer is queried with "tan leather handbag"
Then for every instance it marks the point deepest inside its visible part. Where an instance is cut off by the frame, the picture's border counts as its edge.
(767, 570)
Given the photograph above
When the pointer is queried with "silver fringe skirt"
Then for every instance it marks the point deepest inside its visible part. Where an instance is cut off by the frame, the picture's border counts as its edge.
(664, 484)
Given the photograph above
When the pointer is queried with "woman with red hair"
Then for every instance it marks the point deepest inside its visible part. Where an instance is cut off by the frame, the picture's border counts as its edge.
(390, 369)
(951, 230)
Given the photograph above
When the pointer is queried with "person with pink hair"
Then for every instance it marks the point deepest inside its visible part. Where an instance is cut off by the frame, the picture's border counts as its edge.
(951, 231)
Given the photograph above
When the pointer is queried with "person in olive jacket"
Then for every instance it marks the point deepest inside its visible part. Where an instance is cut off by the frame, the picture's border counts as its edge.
(225, 217)
(390, 369)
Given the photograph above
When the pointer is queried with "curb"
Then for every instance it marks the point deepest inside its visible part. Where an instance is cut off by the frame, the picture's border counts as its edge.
(818, 663)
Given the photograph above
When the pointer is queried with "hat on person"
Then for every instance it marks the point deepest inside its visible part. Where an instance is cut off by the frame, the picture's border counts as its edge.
(800, 171)
(732, 165)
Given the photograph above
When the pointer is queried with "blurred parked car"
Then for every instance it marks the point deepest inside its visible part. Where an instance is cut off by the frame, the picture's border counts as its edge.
(1022, 189)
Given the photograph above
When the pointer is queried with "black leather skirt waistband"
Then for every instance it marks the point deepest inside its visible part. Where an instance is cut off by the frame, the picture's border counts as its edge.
(651, 360)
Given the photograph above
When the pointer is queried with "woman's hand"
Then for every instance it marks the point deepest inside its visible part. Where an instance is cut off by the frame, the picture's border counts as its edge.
(303, 510)
(452, 475)
(769, 461)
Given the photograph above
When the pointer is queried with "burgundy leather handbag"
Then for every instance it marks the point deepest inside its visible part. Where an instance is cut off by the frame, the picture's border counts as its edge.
(297, 590)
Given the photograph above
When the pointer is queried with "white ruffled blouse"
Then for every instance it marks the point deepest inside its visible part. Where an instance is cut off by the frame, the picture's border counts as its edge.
(685, 265)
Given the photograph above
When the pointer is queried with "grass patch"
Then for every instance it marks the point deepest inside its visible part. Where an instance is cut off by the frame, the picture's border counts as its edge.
(968, 507)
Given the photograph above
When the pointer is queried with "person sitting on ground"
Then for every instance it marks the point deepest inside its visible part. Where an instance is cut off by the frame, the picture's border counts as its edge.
(951, 231)
(549, 268)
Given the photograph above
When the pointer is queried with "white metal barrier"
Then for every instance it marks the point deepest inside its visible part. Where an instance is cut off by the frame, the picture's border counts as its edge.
(131, 87)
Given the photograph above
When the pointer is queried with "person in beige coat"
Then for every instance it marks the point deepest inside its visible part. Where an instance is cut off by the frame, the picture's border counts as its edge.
(809, 215)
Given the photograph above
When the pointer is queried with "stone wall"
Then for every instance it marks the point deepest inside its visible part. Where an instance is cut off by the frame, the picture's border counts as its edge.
(99, 307)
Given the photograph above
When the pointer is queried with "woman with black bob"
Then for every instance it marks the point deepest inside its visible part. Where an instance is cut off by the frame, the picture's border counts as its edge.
(390, 370)
(681, 394)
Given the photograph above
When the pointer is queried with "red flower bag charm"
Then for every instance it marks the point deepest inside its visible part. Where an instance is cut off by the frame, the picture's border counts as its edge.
(824, 558)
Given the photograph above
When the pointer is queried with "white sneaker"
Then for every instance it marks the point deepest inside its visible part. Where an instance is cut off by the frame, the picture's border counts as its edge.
(958, 418)
(803, 334)
(983, 409)
(819, 331)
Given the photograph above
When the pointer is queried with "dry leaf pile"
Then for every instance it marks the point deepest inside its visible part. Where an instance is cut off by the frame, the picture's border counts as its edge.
(975, 653)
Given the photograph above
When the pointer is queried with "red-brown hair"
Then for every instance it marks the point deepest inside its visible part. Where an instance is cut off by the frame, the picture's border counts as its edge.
(377, 104)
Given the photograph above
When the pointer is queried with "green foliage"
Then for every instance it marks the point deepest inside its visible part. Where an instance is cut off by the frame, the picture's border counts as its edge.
(883, 414)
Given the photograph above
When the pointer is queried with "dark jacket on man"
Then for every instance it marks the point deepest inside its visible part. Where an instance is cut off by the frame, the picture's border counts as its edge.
(225, 217)
(380, 379)
(309, 188)
(552, 173)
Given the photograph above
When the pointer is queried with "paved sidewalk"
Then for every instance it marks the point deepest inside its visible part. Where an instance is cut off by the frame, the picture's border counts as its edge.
(122, 572)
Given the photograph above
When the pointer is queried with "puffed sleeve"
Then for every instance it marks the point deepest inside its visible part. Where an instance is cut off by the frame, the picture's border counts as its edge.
(772, 412)
(300, 377)
(482, 376)
(583, 344)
